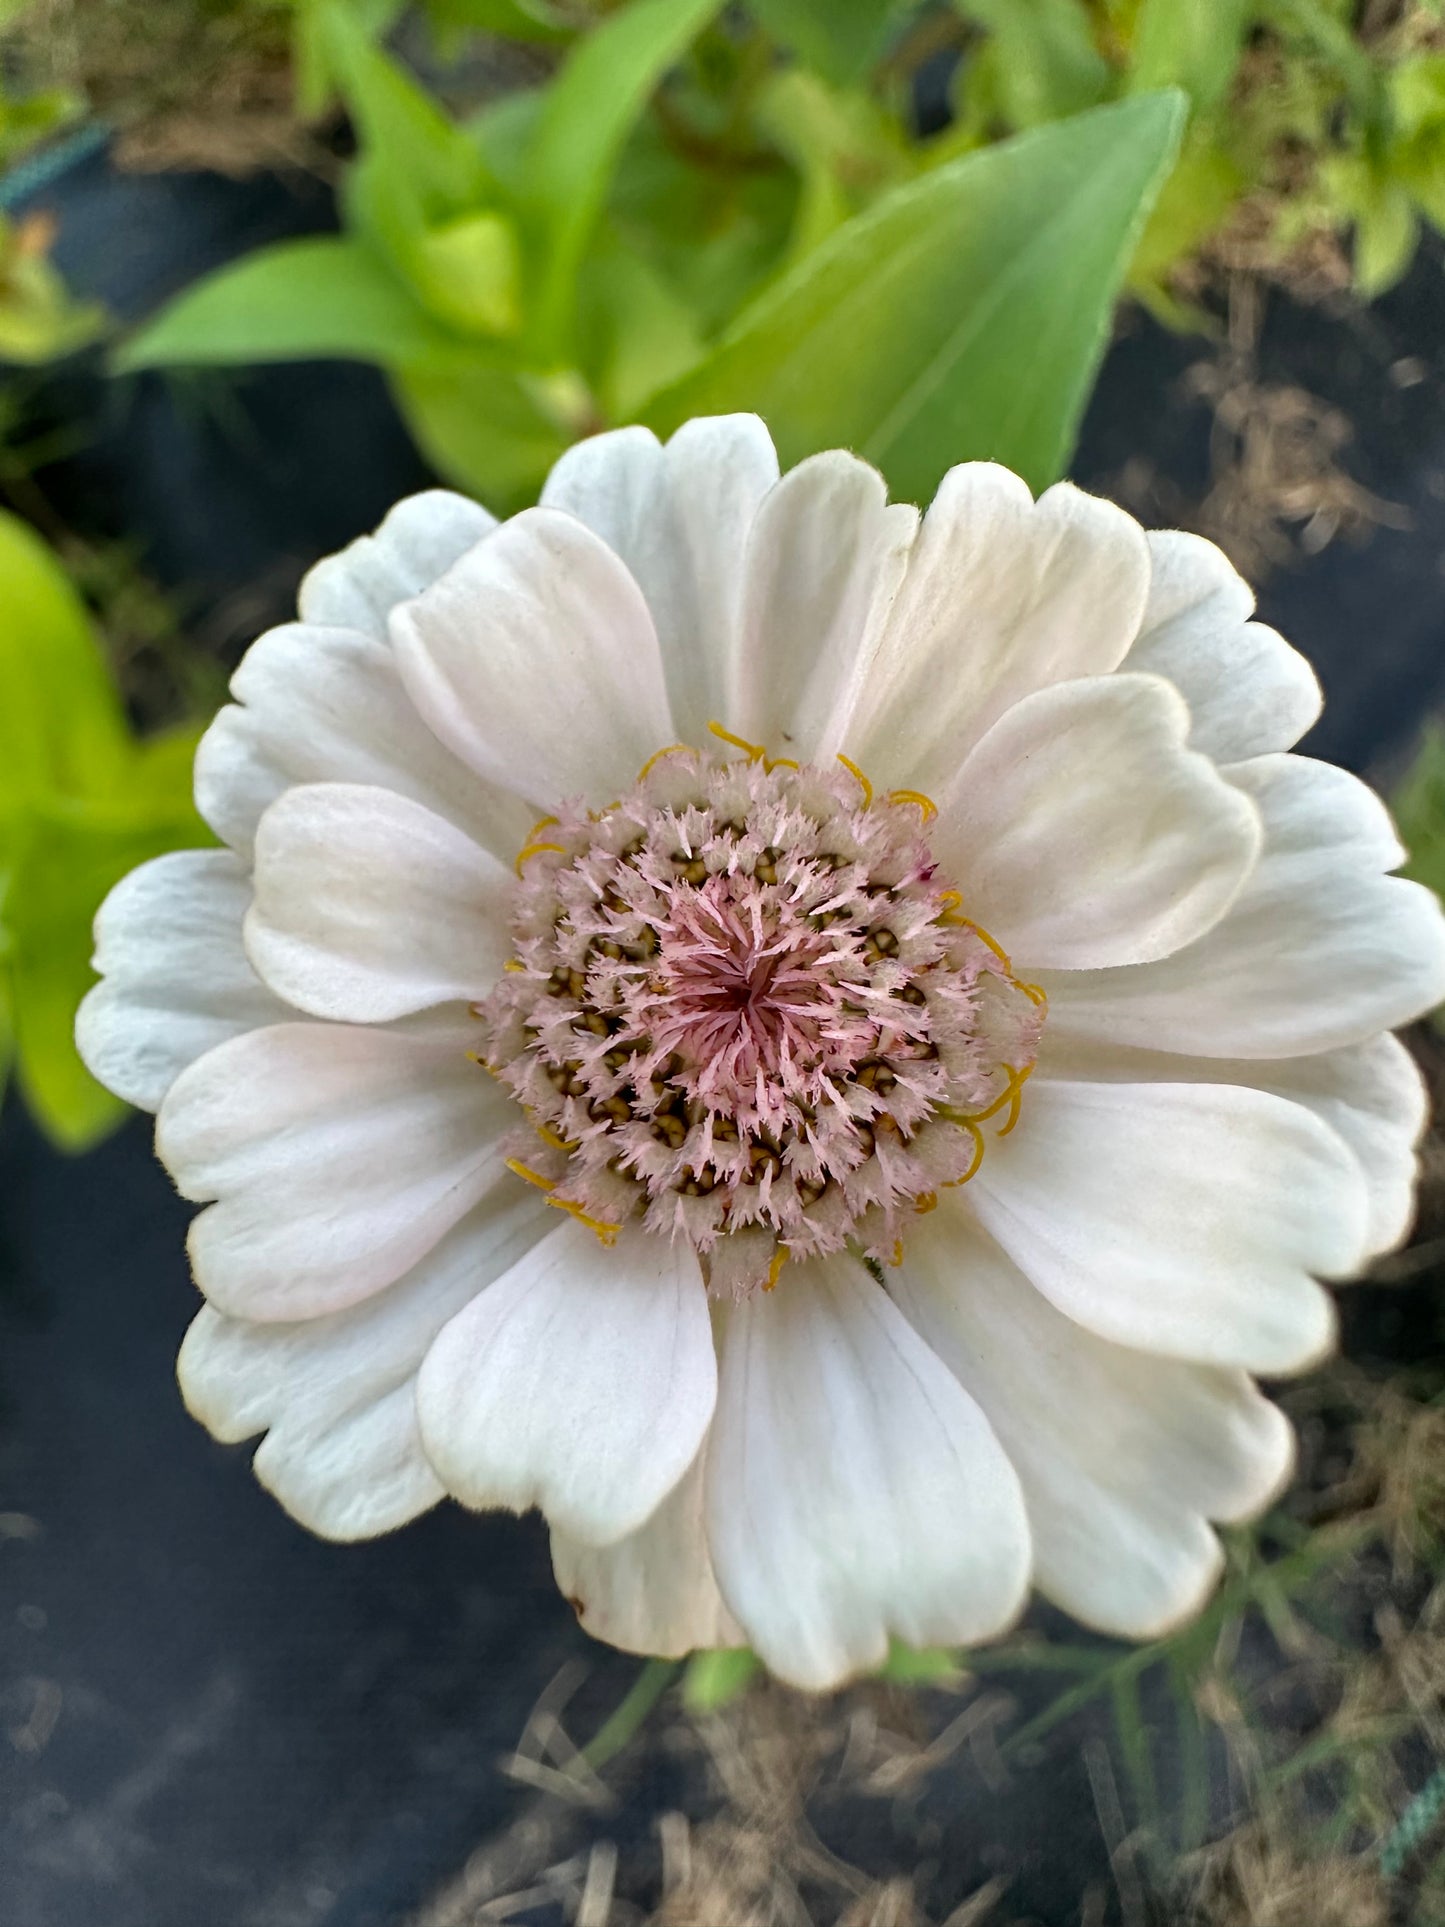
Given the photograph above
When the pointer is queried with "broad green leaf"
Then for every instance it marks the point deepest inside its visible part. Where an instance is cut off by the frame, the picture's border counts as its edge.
(1045, 64)
(299, 300)
(840, 39)
(586, 115)
(846, 149)
(713, 1679)
(1193, 44)
(61, 724)
(963, 316)
(488, 431)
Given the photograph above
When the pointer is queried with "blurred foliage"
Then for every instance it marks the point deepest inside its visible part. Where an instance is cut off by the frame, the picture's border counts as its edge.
(39, 320)
(606, 248)
(81, 802)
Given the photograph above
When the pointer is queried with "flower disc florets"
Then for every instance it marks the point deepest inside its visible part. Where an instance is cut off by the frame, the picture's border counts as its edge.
(745, 1007)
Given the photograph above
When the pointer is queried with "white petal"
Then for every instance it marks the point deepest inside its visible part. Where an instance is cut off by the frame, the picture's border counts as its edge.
(369, 906)
(536, 661)
(336, 1396)
(1247, 690)
(1320, 949)
(1372, 1095)
(1182, 1218)
(1082, 832)
(654, 1591)
(175, 980)
(854, 1489)
(824, 562)
(327, 705)
(582, 1382)
(1002, 596)
(338, 1157)
(679, 518)
(1123, 1456)
(419, 540)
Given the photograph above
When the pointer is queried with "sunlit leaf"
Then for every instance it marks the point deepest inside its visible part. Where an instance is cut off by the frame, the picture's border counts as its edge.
(962, 316)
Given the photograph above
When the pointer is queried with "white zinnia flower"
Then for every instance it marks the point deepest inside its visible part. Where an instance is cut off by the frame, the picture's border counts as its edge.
(755, 1263)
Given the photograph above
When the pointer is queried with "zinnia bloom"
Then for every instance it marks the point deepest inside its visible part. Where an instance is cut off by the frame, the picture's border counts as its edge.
(843, 1162)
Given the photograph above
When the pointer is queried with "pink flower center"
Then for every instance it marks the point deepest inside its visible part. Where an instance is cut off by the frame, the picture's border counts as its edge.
(745, 1010)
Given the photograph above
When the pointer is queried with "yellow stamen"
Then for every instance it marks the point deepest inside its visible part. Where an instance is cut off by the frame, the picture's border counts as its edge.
(925, 1202)
(554, 1138)
(657, 756)
(531, 1176)
(756, 753)
(966, 923)
(770, 763)
(512, 963)
(534, 849)
(606, 1233)
(977, 1135)
(896, 1256)
(1035, 993)
(542, 823)
(858, 777)
(775, 1269)
(925, 805)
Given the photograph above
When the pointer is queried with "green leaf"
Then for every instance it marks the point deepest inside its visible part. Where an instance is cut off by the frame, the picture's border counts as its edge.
(1419, 809)
(468, 271)
(840, 39)
(61, 723)
(512, 19)
(713, 1679)
(299, 300)
(1193, 44)
(1046, 64)
(638, 330)
(920, 1665)
(490, 432)
(963, 316)
(587, 113)
(399, 123)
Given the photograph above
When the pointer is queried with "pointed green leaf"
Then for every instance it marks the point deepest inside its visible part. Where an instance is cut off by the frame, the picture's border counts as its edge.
(316, 298)
(1193, 44)
(962, 316)
(486, 430)
(586, 116)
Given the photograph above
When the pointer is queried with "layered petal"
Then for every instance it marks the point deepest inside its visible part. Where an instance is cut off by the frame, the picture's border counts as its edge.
(1185, 1219)
(1248, 692)
(581, 1382)
(536, 661)
(336, 1396)
(1083, 833)
(654, 1591)
(854, 1490)
(825, 559)
(1123, 1456)
(337, 1157)
(1321, 948)
(1002, 596)
(1371, 1095)
(369, 906)
(419, 540)
(175, 981)
(678, 515)
(316, 705)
